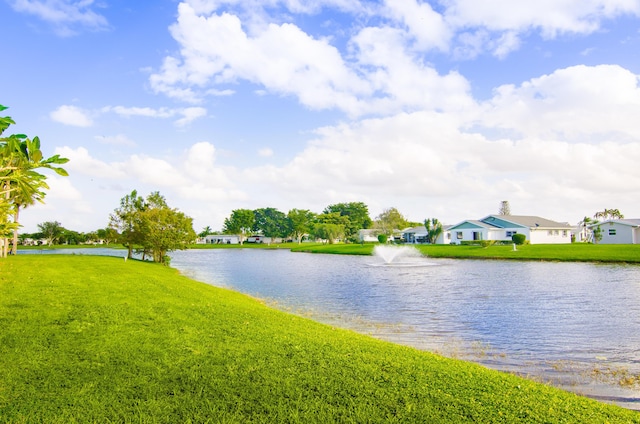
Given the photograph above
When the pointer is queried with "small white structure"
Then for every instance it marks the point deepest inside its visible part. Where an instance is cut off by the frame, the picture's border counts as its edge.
(537, 230)
(367, 235)
(418, 235)
(618, 231)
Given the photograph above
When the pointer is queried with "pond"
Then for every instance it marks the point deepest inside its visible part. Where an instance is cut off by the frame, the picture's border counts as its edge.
(573, 325)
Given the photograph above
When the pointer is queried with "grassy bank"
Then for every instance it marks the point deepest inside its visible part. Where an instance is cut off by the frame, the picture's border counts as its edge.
(98, 339)
(577, 252)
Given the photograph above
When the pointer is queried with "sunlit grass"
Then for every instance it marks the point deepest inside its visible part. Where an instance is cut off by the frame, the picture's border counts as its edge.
(577, 252)
(98, 339)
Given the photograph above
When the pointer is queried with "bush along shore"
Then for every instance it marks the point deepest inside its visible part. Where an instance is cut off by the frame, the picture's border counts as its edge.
(99, 339)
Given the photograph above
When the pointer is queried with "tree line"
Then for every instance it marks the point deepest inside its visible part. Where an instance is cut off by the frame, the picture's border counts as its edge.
(340, 221)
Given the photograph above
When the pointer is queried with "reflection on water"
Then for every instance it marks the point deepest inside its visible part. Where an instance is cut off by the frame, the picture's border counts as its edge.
(575, 325)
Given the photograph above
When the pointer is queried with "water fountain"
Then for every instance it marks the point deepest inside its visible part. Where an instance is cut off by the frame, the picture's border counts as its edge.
(393, 255)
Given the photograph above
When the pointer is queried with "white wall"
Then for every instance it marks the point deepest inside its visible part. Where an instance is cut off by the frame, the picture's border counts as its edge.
(624, 234)
(550, 236)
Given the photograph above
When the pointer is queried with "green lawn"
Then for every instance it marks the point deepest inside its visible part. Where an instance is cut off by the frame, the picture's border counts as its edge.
(98, 339)
(627, 253)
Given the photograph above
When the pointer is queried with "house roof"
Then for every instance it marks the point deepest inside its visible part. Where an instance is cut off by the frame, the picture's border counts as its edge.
(474, 223)
(418, 229)
(528, 221)
(422, 229)
(630, 222)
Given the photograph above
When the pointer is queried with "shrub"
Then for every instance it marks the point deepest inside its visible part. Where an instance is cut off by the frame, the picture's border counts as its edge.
(518, 238)
(382, 238)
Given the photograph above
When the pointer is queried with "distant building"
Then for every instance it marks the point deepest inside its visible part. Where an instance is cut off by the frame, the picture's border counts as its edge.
(537, 230)
(618, 231)
(219, 239)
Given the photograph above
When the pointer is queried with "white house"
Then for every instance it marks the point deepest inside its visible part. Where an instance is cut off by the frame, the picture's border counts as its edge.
(619, 231)
(219, 239)
(371, 235)
(537, 230)
(418, 235)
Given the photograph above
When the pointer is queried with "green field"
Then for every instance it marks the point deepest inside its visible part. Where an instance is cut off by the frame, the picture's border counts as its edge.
(576, 252)
(97, 339)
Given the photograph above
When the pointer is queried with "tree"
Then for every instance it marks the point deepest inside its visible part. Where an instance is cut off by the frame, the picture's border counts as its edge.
(271, 223)
(162, 229)
(20, 184)
(240, 222)
(505, 209)
(205, 232)
(328, 232)
(389, 220)
(608, 214)
(124, 219)
(357, 214)
(434, 229)
(300, 222)
(109, 235)
(51, 231)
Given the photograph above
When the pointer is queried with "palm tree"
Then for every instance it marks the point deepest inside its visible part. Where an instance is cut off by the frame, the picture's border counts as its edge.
(434, 229)
(205, 231)
(609, 214)
(21, 185)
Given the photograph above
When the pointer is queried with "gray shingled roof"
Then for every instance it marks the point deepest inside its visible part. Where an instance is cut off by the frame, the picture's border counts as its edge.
(532, 221)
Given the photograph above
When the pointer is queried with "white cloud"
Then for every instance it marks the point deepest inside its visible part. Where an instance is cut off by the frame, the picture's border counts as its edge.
(64, 15)
(80, 161)
(427, 26)
(116, 140)
(265, 152)
(71, 115)
(187, 115)
(62, 188)
(382, 76)
(550, 17)
(579, 103)
(282, 58)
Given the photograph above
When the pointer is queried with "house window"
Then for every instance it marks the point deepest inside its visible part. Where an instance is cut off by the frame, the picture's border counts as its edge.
(612, 231)
(448, 236)
(556, 233)
(459, 235)
(550, 232)
(511, 233)
(564, 233)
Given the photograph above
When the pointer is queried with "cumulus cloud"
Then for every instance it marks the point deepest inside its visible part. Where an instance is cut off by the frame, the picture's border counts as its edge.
(71, 115)
(62, 188)
(383, 76)
(384, 71)
(579, 103)
(80, 161)
(66, 16)
(193, 174)
(425, 25)
(548, 16)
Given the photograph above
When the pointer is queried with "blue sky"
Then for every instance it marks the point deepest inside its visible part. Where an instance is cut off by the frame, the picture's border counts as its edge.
(437, 108)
